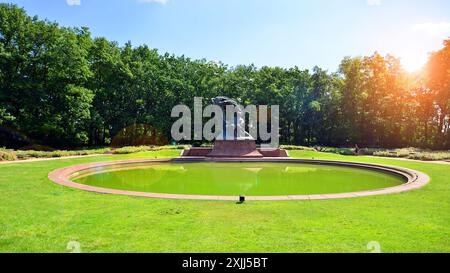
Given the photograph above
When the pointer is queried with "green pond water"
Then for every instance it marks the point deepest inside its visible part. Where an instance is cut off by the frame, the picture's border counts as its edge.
(251, 179)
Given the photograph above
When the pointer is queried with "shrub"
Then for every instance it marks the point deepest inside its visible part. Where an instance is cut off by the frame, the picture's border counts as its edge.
(26, 154)
(300, 148)
(370, 151)
(59, 153)
(7, 155)
(136, 149)
(414, 153)
(341, 151)
(132, 149)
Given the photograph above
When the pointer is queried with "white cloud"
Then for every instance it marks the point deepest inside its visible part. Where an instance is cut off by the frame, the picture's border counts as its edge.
(163, 2)
(373, 2)
(73, 2)
(434, 29)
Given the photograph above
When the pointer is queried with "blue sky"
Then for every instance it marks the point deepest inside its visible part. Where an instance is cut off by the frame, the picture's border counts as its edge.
(283, 33)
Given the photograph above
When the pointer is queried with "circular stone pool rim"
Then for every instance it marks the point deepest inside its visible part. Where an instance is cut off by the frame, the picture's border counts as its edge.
(415, 179)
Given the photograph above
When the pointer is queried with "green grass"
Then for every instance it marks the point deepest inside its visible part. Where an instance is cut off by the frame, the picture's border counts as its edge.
(37, 215)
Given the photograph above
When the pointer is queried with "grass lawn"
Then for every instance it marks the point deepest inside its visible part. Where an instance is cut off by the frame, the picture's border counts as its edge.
(37, 215)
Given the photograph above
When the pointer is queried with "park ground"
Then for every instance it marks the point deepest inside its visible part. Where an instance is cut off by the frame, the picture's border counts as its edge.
(37, 215)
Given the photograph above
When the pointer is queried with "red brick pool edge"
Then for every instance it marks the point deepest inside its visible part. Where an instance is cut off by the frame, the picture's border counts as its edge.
(415, 179)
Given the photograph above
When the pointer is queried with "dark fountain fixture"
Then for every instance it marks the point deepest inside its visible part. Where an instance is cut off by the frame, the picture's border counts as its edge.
(241, 198)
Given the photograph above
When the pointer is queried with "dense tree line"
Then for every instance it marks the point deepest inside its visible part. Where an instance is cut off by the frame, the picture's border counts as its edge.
(61, 87)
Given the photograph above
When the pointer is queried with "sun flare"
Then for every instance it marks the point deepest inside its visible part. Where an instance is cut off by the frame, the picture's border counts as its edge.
(413, 62)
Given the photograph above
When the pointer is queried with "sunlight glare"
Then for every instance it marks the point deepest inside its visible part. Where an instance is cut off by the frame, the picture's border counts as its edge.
(413, 62)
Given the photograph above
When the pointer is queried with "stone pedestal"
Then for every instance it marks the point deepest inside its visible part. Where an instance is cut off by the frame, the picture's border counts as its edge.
(235, 148)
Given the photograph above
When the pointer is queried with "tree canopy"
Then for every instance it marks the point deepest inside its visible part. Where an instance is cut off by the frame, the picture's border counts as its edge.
(61, 87)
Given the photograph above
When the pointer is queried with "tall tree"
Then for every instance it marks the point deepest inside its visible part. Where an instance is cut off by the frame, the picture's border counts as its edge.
(438, 80)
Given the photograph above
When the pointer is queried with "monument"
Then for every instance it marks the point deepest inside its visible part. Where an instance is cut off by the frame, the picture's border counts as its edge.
(240, 143)
(232, 140)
